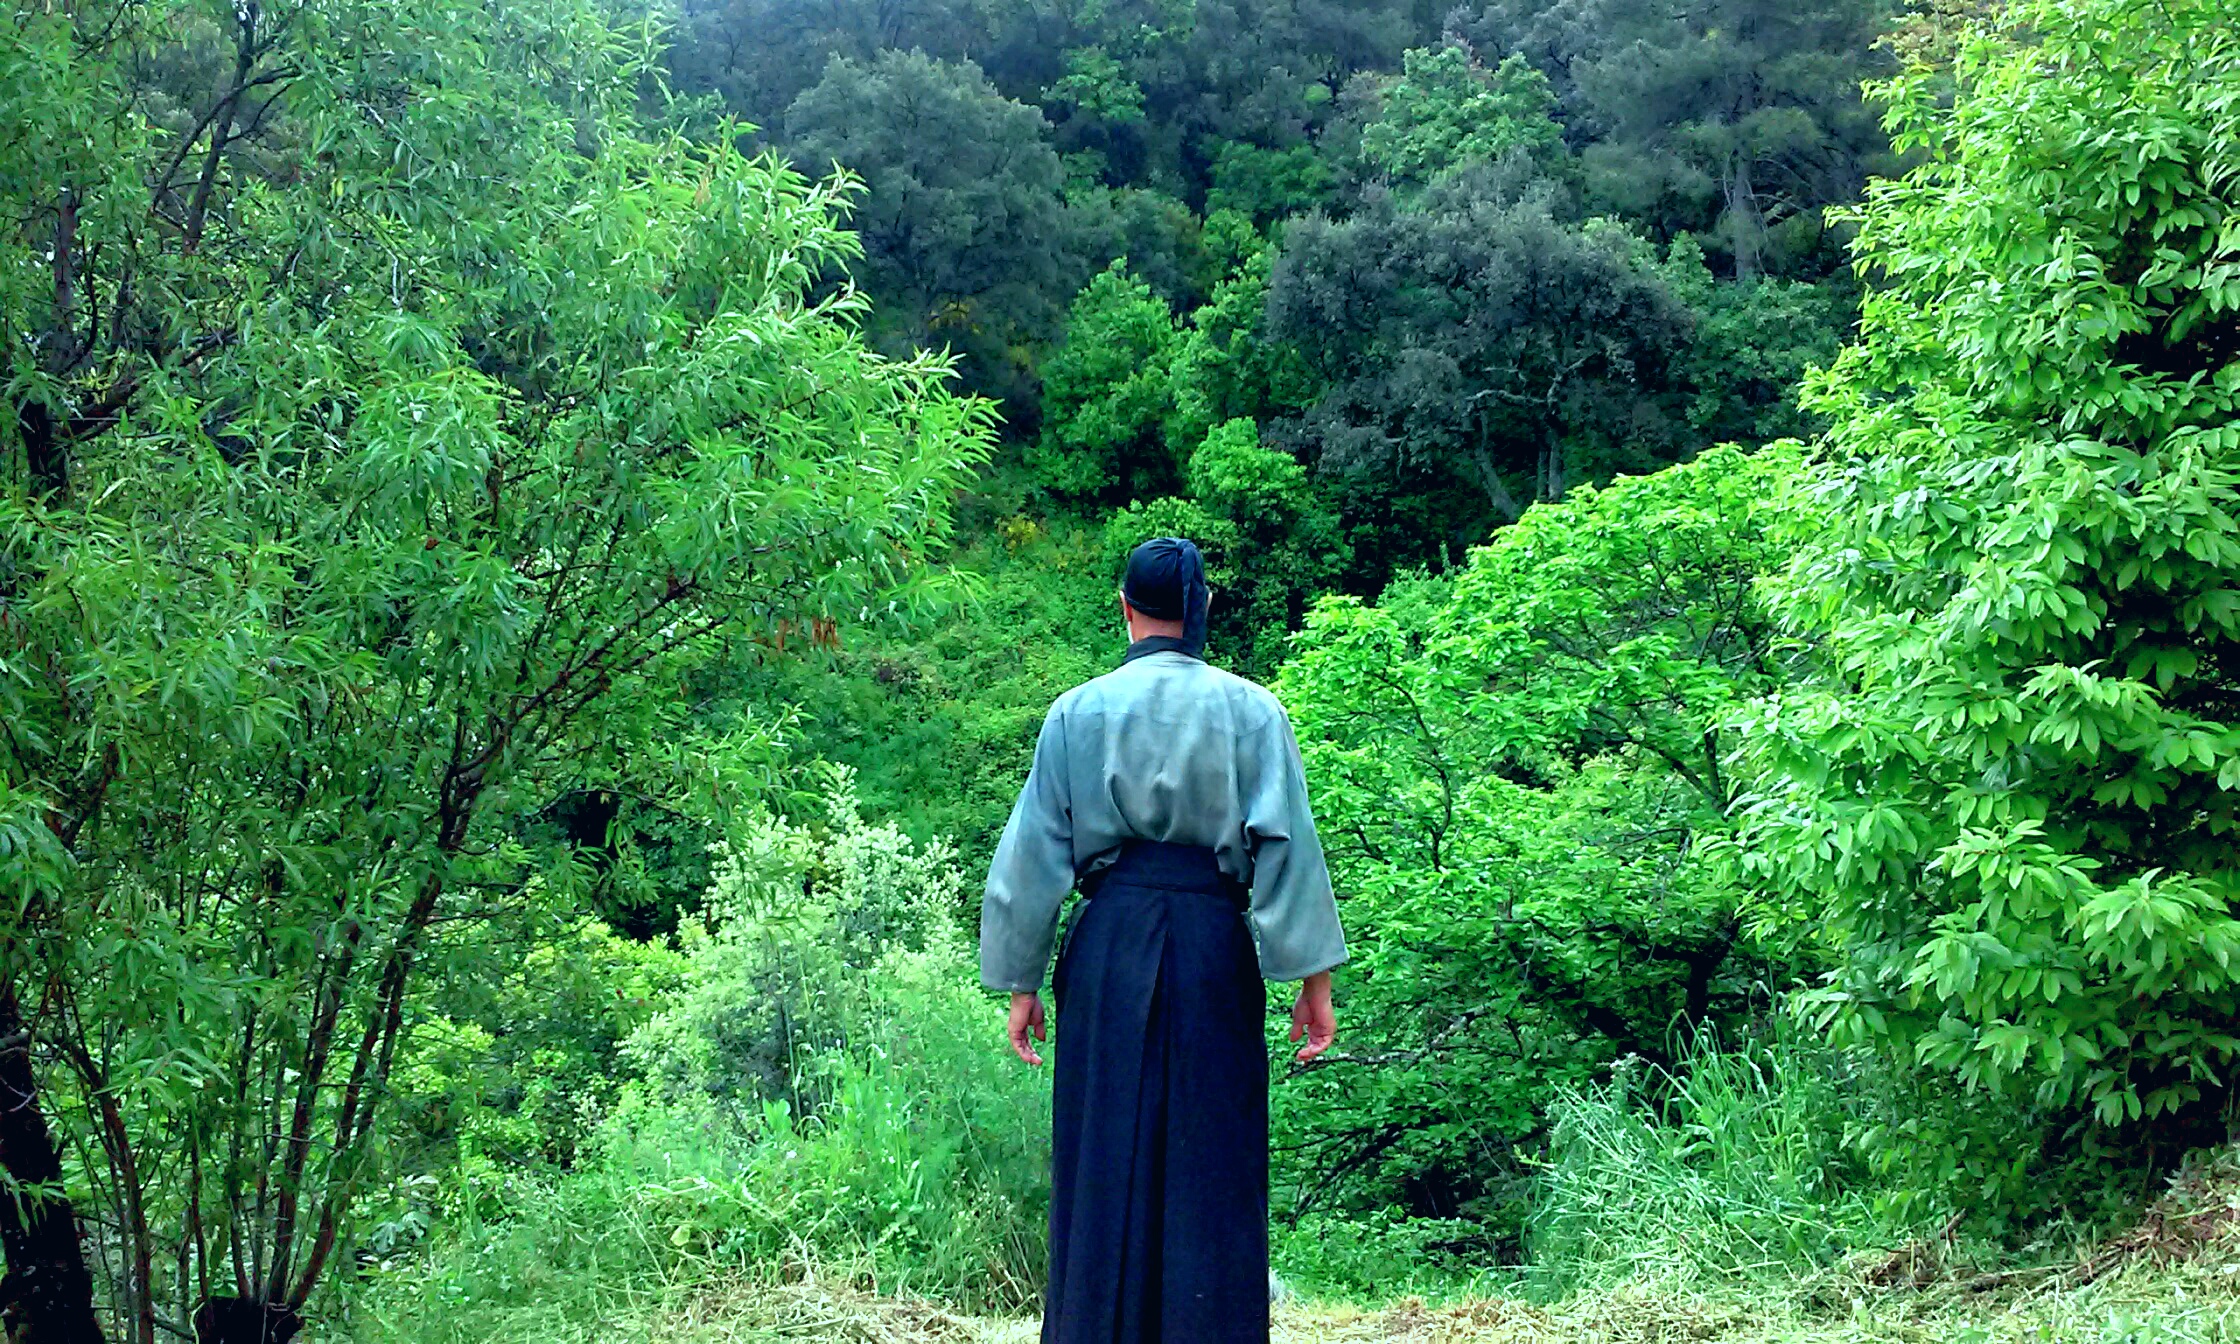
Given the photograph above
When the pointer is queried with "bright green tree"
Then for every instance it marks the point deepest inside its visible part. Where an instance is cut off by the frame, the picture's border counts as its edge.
(1265, 185)
(1446, 110)
(1290, 547)
(1228, 365)
(1107, 394)
(393, 443)
(1514, 773)
(2011, 809)
(1096, 86)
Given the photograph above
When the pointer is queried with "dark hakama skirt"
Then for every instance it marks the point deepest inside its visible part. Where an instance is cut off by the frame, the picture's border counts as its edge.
(1159, 1197)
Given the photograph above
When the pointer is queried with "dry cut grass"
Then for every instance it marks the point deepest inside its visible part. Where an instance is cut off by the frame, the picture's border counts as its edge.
(2194, 1302)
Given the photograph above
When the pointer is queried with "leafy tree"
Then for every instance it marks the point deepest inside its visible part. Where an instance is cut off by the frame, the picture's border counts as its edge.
(1475, 337)
(1259, 72)
(1100, 126)
(1752, 346)
(513, 1069)
(757, 56)
(1162, 242)
(1289, 545)
(1273, 107)
(1552, 35)
(1095, 86)
(1735, 117)
(1514, 773)
(390, 445)
(1146, 93)
(1264, 185)
(792, 911)
(1227, 366)
(2010, 809)
(963, 224)
(1255, 487)
(1446, 110)
(1107, 393)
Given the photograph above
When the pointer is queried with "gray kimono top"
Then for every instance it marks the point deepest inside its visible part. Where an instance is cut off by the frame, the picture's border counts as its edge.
(1164, 748)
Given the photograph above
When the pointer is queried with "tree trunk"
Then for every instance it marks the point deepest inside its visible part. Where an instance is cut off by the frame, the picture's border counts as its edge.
(1547, 471)
(44, 455)
(1745, 224)
(47, 1291)
(1504, 503)
(244, 1320)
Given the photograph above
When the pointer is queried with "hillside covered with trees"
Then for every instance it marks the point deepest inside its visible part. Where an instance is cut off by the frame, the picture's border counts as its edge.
(536, 539)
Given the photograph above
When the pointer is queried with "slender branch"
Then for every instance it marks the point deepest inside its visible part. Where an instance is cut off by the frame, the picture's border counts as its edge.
(116, 1142)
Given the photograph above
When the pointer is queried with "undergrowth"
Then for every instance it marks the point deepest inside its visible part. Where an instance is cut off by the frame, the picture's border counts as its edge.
(1732, 1169)
(815, 1124)
(1720, 1202)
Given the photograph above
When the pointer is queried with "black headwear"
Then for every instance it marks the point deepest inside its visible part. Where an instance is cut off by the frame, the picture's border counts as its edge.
(1167, 582)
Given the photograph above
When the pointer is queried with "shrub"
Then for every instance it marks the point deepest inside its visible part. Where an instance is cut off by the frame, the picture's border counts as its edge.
(2009, 812)
(828, 1094)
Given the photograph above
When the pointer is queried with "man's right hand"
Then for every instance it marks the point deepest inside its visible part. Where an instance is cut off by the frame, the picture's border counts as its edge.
(1026, 1017)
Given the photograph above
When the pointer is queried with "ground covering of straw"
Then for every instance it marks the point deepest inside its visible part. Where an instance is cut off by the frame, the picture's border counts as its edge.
(2154, 1288)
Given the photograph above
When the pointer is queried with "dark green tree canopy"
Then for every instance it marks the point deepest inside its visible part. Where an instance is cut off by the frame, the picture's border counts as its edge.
(1740, 120)
(964, 227)
(1476, 336)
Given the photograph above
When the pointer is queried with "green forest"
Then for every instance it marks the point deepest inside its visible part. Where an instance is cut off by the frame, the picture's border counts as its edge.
(536, 537)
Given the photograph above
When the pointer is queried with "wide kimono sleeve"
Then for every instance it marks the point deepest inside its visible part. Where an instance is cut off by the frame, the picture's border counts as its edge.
(1294, 913)
(1032, 872)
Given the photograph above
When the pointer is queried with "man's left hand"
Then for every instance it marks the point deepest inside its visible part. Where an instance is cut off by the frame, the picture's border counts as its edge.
(1312, 1017)
(1026, 1019)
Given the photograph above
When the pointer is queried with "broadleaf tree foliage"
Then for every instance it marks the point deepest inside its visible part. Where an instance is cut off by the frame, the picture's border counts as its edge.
(2009, 809)
(1447, 111)
(1514, 774)
(966, 242)
(1473, 335)
(457, 491)
(395, 434)
(1746, 112)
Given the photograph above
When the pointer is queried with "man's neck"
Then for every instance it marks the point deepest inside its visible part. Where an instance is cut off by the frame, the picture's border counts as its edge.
(1151, 644)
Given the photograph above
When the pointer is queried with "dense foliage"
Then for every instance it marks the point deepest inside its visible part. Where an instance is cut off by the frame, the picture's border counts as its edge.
(359, 514)
(960, 219)
(2008, 808)
(526, 595)
(1449, 261)
(1517, 769)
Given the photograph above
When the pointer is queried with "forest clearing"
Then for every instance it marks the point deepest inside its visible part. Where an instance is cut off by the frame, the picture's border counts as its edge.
(541, 541)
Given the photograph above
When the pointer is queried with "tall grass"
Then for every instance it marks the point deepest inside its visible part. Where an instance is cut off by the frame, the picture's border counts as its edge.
(826, 1094)
(922, 1176)
(1731, 1169)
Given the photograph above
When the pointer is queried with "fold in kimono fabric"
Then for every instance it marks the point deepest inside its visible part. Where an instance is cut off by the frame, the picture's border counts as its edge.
(1159, 1191)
